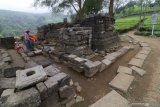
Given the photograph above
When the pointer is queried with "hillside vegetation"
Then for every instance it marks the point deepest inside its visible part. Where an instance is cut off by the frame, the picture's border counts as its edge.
(15, 23)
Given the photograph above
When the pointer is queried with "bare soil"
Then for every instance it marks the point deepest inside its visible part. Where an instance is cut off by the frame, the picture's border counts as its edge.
(95, 88)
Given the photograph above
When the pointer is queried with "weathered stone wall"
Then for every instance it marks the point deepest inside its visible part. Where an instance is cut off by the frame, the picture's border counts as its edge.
(76, 39)
(103, 34)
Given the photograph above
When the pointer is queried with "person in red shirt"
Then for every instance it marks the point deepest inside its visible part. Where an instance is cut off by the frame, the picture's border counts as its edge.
(27, 40)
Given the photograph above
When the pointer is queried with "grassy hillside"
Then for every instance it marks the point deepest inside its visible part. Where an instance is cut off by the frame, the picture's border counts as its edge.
(126, 23)
(15, 23)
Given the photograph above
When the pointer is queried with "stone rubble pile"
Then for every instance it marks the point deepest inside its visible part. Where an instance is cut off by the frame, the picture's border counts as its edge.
(34, 85)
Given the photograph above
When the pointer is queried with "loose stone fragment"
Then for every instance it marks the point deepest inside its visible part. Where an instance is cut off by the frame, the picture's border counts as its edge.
(42, 90)
(7, 92)
(51, 70)
(26, 98)
(66, 91)
(141, 72)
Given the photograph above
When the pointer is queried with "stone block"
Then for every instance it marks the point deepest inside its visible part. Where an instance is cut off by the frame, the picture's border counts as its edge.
(112, 99)
(5, 55)
(53, 83)
(51, 70)
(77, 68)
(71, 57)
(139, 71)
(11, 71)
(136, 62)
(126, 70)
(25, 98)
(30, 76)
(66, 91)
(122, 82)
(7, 59)
(42, 90)
(3, 65)
(38, 52)
(23, 55)
(91, 68)
(6, 83)
(110, 57)
(105, 64)
(141, 56)
(146, 52)
(7, 92)
(79, 61)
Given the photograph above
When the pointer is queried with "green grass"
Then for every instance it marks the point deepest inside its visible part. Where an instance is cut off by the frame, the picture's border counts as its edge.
(148, 26)
(126, 23)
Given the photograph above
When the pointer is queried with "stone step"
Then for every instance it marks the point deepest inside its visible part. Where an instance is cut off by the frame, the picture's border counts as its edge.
(123, 69)
(136, 62)
(122, 82)
(112, 99)
(139, 71)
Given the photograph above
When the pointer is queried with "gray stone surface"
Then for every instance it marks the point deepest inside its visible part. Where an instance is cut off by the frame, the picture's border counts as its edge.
(77, 68)
(7, 83)
(7, 92)
(11, 71)
(3, 65)
(141, 56)
(5, 55)
(91, 68)
(79, 61)
(112, 99)
(110, 57)
(71, 57)
(7, 59)
(25, 98)
(51, 70)
(105, 64)
(42, 90)
(146, 52)
(31, 76)
(122, 82)
(136, 62)
(139, 71)
(52, 83)
(66, 91)
(123, 69)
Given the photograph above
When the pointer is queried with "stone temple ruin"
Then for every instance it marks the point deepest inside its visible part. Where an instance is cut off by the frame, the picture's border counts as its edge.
(75, 44)
(93, 33)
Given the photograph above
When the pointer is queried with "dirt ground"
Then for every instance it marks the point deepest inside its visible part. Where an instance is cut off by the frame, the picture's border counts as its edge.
(95, 88)
(147, 88)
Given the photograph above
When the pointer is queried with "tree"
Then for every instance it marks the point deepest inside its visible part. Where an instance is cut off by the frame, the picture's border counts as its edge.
(92, 6)
(111, 8)
(61, 5)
